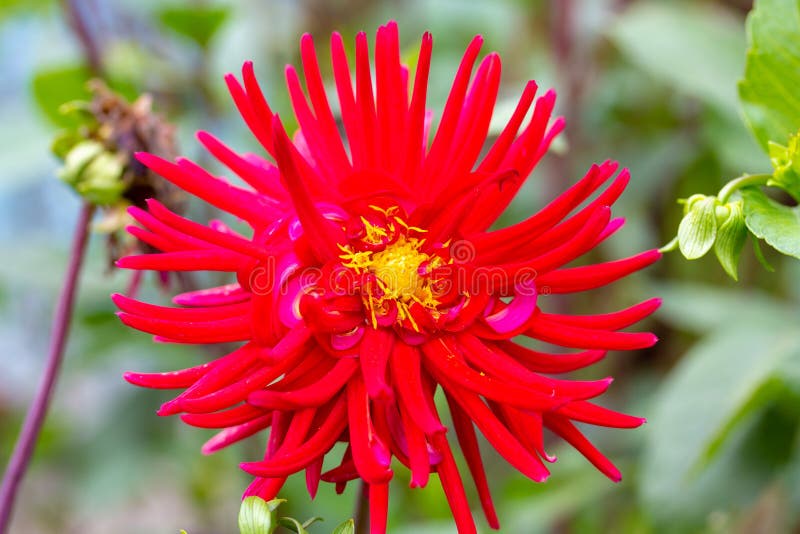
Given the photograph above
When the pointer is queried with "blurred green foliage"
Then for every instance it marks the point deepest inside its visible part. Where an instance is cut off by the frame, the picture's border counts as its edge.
(649, 83)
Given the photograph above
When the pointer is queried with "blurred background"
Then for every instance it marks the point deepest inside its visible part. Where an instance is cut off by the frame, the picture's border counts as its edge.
(649, 83)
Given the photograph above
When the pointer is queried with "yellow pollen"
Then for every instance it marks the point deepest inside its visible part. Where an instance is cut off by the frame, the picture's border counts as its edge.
(396, 269)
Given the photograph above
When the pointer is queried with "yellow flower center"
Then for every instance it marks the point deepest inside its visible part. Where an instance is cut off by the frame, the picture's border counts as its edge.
(397, 272)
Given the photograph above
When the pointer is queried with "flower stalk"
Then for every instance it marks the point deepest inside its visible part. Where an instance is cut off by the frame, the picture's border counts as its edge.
(34, 419)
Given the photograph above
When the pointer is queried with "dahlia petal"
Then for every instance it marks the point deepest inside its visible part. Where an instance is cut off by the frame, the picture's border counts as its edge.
(576, 279)
(322, 109)
(415, 141)
(205, 234)
(468, 442)
(158, 242)
(306, 454)
(552, 331)
(374, 354)
(528, 428)
(309, 140)
(574, 437)
(493, 362)
(543, 362)
(265, 488)
(586, 412)
(238, 391)
(362, 434)
(313, 477)
(577, 245)
(390, 102)
(324, 234)
(446, 366)
(347, 101)
(453, 487)
(226, 371)
(190, 260)
(165, 231)
(506, 137)
(442, 141)
(169, 380)
(347, 340)
(235, 434)
(315, 394)
(225, 418)
(250, 206)
(265, 180)
(258, 104)
(222, 331)
(498, 435)
(405, 366)
(153, 311)
(215, 296)
(259, 125)
(366, 101)
(473, 124)
(517, 313)
(609, 321)
(548, 216)
(418, 456)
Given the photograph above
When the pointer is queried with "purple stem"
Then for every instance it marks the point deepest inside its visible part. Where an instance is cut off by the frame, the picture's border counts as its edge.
(23, 450)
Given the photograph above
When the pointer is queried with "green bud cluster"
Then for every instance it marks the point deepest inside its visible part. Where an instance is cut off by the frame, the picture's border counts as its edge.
(95, 173)
(709, 223)
(257, 516)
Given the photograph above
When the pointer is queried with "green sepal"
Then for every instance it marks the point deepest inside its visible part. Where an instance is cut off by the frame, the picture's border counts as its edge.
(348, 527)
(759, 254)
(731, 235)
(698, 228)
(257, 516)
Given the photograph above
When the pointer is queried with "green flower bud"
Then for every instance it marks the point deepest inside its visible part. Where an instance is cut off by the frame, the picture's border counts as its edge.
(698, 228)
(94, 173)
(786, 162)
(731, 235)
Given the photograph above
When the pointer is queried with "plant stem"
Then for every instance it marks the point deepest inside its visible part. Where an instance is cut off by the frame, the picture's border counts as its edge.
(23, 449)
(361, 513)
(742, 181)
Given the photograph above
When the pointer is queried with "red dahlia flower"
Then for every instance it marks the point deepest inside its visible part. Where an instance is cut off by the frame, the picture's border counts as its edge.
(371, 282)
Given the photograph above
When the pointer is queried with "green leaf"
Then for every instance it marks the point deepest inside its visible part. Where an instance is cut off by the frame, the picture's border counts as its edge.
(55, 85)
(348, 527)
(775, 223)
(197, 22)
(698, 228)
(731, 236)
(696, 48)
(257, 516)
(768, 92)
(715, 387)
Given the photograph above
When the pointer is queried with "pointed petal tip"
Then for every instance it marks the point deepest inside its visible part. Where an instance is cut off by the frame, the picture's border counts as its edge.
(145, 158)
(169, 408)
